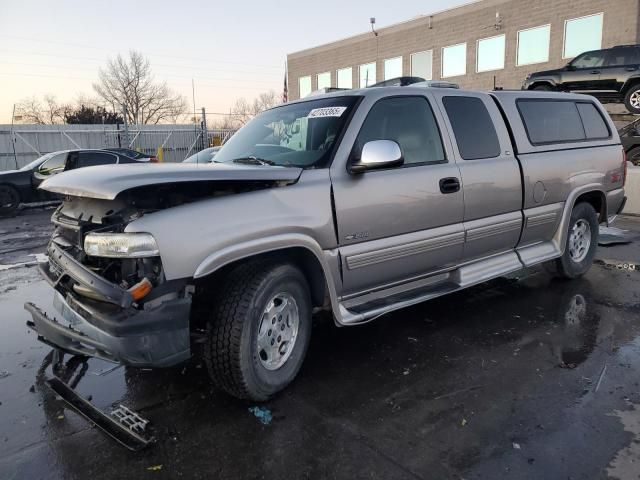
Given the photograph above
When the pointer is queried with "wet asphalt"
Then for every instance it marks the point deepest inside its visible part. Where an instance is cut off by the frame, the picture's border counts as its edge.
(524, 378)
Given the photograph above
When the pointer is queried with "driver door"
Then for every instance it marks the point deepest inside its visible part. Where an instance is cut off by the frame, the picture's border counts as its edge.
(400, 223)
(583, 73)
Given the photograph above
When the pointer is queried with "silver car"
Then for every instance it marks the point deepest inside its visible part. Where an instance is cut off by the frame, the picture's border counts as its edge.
(361, 202)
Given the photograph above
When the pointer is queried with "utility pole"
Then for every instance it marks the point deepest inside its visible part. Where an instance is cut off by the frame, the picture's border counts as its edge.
(13, 136)
(205, 137)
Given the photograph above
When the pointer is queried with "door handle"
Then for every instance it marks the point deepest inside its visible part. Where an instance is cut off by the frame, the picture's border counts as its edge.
(595, 72)
(631, 69)
(449, 185)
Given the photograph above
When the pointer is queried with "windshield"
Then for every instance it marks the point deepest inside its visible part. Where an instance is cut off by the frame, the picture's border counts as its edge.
(299, 134)
(36, 162)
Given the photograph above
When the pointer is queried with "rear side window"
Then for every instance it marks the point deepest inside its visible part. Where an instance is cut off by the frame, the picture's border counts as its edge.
(557, 121)
(409, 121)
(549, 121)
(90, 159)
(472, 127)
(594, 126)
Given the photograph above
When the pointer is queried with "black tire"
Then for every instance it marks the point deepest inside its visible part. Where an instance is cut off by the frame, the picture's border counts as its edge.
(231, 348)
(632, 99)
(633, 155)
(542, 88)
(9, 200)
(577, 264)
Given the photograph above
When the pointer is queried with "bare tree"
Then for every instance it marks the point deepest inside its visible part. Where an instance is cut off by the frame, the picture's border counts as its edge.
(42, 112)
(244, 110)
(130, 82)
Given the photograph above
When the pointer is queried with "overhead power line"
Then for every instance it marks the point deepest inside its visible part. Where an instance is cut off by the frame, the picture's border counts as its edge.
(47, 41)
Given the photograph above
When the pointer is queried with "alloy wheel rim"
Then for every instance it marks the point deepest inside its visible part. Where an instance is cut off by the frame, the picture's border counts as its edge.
(579, 240)
(278, 331)
(634, 100)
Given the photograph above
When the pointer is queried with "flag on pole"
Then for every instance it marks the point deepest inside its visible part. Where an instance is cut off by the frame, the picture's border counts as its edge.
(285, 92)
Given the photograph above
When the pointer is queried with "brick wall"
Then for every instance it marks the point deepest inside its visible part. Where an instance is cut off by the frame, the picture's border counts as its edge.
(621, 25)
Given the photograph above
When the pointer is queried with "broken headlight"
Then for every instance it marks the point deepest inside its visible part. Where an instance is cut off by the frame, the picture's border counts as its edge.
(121, 245)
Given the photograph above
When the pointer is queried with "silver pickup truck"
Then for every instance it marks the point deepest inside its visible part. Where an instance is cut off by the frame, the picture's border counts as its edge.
(361, 202)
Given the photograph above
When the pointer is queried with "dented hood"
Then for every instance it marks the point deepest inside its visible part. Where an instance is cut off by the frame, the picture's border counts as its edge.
(107, 181)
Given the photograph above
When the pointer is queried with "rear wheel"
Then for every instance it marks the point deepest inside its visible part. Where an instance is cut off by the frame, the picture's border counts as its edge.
(542, 88)
(260, 330)
(9, 200)
(632, 99)
(581, 243)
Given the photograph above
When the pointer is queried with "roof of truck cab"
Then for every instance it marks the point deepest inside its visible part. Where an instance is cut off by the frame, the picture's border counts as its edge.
(378, 92)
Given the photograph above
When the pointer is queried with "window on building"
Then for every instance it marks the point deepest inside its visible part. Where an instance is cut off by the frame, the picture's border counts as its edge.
(344, 78)
(409, 121)
(304, 85)
(324, 80)
(490, 55)
(367, 74)
(582, 34)
(422, 64)
(594, 126)
(533, 45)
(472, 126)
(454, 60)
(549, 121)
(392, 68)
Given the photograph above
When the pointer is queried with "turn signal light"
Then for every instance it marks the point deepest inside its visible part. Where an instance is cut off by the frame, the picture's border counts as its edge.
(141, 289)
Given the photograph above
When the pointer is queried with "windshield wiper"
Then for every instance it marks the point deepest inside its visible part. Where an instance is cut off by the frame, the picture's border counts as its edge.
(253, 161)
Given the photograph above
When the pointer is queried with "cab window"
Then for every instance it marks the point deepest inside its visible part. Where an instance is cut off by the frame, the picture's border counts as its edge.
(54, 164)
(589, 60)
(409, 121)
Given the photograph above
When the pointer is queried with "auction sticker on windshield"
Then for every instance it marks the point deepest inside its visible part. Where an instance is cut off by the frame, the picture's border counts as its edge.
(326, 112)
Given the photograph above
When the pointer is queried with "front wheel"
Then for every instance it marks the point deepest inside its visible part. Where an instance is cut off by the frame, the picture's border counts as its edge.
(542, 88)
(581, 243)
(260, 330)
(9, 200)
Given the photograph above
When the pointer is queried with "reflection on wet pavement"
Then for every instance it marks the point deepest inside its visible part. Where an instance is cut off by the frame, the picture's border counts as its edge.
(441, 390)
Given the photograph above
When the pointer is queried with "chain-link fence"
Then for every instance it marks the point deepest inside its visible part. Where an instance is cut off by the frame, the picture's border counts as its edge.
(20, 144)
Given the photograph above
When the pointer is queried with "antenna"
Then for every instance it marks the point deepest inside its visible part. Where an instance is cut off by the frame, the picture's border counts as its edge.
(372, 21)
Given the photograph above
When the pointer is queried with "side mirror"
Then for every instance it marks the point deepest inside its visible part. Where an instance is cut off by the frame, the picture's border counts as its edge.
(378, 154)
(570, 67)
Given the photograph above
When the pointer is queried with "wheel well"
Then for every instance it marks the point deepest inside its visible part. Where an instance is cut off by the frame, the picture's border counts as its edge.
(301, 257)
(630, 84)
(538, 84)
(598, 201)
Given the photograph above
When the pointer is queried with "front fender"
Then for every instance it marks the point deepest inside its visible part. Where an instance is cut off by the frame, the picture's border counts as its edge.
(248, 249)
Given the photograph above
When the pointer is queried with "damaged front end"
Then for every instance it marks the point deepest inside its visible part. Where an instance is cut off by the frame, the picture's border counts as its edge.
(111, 294)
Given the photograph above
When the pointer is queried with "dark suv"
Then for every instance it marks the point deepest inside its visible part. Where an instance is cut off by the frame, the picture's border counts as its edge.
(611, 75)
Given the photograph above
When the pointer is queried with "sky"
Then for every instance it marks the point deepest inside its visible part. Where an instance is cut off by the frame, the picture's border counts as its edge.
(230, 49)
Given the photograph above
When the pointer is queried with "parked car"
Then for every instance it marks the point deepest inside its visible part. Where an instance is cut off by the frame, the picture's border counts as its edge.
(362, 202)
(611, 75)
(21, 186)
(203, 156)
(134, 154)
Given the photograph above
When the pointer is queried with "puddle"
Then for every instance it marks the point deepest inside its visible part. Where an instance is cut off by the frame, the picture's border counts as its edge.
(626, 463)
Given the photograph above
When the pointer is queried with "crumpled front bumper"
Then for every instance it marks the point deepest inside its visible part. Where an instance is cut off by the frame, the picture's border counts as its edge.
(113, 330)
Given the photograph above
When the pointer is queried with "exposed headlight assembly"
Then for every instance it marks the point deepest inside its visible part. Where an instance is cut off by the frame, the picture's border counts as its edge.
(121, 245)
